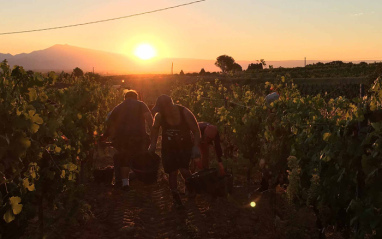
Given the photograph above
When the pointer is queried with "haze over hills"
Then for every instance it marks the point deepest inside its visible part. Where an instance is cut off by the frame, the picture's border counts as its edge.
(66, 58)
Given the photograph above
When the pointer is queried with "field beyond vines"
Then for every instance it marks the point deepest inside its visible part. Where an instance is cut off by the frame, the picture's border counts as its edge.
(323, 151)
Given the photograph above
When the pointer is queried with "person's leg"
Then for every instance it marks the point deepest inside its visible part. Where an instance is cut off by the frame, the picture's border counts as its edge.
(184, 162)
(185, 172)
(125, 171)
(173, 181)
(117, 170)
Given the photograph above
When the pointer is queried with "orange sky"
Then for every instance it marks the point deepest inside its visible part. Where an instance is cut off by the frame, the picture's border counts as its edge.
(246, 29)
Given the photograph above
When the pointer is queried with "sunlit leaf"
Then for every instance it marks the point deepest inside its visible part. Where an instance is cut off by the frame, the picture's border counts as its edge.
(57, 149)
(43, 97)
(326, 136)
(34, 128)
(31, 113)
(8, 216)
(37, 119)
(72, 167)
(25, 142)
(28, 185)
(62, 174)
(15, 204)
(32, 94)
(71, 177)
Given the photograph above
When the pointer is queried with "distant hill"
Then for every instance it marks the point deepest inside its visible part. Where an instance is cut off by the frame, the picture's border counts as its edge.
(66, 58)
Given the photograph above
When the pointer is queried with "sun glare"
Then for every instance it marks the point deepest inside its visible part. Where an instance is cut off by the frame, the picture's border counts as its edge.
(145, 52)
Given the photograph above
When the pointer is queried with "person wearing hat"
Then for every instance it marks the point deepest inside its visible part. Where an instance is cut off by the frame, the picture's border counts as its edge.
(180, 140)
(272, 97)
(127, 130)
(266, 174)
(210, 135)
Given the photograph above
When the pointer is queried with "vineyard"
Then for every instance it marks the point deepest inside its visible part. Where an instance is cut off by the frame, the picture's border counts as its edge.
(323, 150)
(329, 148)
(49, 125)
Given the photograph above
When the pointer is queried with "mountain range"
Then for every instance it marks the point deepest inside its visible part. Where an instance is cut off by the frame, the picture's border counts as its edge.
(66, 58)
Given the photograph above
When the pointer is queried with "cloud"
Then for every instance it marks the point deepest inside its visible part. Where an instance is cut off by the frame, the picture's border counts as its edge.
(358, 14)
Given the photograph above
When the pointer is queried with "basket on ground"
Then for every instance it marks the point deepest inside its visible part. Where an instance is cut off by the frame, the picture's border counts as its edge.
(208, 181)
(146, 167)
(104, 175)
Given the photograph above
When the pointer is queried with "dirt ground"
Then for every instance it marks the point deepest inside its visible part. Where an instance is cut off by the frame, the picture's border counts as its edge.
(147, 212)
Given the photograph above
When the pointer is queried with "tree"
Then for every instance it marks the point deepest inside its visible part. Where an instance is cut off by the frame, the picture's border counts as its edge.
(225, 63)
(262, 61)
(181, 73)
(18, 72)
(319, 64)
(93, 76)
(236, 67)
(202, 72)
(255, 66)
(77, 72)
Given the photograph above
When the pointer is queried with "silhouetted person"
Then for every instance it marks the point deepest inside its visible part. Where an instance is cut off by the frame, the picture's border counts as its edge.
(266, 174)
(210, 136)
(178, 146)
(127, 130)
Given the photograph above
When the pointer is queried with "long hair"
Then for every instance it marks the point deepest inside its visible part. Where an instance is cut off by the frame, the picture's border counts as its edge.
(161, 103)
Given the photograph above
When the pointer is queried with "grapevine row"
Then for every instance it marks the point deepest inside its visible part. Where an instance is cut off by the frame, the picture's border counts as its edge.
(49, 125)
(330, 149)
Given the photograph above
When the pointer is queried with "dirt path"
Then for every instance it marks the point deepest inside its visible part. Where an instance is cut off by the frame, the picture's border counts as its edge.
(147, 212)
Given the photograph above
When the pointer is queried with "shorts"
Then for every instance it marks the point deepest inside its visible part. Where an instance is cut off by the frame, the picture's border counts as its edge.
(130, 149)
(173, 160)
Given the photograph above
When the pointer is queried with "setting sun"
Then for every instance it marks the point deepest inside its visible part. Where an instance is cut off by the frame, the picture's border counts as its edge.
(145, 51)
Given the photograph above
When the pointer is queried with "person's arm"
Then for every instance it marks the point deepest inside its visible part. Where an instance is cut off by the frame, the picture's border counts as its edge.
(219, 154)
(154, 133)
(148, 117)
(194, 127)
(218, 147)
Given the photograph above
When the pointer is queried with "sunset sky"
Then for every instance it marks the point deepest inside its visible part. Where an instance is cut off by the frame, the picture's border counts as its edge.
(244, 29)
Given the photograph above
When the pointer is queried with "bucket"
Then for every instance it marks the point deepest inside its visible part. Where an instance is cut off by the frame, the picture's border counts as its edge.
(146, 167)
(209, 182)
(104, 175)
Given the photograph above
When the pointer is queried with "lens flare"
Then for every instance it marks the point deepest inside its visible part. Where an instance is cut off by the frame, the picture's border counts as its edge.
(253, 204)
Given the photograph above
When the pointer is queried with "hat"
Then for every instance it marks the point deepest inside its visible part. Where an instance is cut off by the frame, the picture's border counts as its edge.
(161, 101)
(271, 98)
(211, 131)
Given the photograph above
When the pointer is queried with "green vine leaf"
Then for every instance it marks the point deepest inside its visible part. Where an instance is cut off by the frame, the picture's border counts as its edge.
(8, 216)
(15, 204)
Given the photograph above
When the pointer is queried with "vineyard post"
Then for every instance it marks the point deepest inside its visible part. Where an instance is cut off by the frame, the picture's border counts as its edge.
(305, 67)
